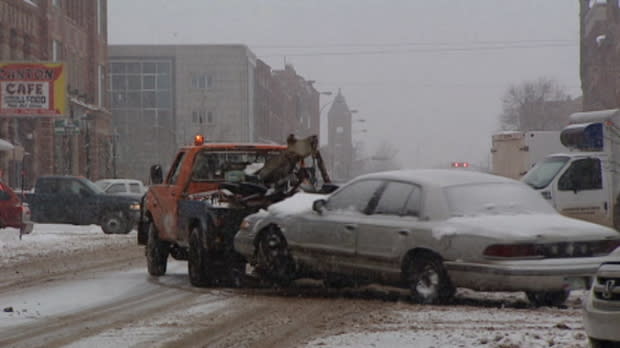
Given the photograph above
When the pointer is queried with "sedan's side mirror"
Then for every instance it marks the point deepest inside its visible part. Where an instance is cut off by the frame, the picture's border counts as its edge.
(319, 205)
(157, 177)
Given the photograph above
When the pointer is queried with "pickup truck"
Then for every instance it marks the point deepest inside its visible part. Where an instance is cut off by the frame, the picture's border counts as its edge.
(194, 213)
(78, 201)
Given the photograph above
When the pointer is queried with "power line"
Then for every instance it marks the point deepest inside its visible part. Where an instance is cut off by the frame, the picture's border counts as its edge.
(419, 43)
(419, 50)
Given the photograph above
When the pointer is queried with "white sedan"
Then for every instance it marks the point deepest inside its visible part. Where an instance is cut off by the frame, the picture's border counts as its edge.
(430, 231)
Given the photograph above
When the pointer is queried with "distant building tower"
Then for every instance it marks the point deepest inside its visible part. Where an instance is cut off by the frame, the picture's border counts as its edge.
(339, 139)
(599, 54)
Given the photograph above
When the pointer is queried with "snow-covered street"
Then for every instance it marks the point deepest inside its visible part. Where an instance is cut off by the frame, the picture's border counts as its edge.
(92, 290)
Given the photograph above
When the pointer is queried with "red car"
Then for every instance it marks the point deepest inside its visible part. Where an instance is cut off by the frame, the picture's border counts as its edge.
(14, 213)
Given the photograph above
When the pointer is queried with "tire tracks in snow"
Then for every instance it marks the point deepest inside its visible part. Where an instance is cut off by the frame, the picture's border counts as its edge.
(48, 267)
(268, 321)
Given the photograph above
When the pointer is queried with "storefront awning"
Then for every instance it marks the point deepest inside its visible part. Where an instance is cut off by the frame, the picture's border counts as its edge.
(5, 145)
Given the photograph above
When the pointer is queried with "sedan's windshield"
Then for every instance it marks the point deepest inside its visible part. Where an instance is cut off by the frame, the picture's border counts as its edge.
(541, 175)
(495, 198)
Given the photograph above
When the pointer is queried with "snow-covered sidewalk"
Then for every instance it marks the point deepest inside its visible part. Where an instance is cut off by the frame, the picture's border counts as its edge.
(51, 238)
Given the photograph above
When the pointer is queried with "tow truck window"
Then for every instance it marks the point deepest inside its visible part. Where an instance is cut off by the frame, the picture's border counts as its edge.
(227, 166)
(176, 169)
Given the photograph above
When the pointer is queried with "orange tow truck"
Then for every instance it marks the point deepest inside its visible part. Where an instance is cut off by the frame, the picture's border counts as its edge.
(194, 212)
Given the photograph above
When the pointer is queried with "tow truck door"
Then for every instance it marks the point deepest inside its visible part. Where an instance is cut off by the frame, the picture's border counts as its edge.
(582, 191)
(165, 200)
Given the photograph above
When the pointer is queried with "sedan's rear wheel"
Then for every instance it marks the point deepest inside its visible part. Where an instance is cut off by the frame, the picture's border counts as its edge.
(547, 298)
(156, 252)
(427, 279)
(273, 260)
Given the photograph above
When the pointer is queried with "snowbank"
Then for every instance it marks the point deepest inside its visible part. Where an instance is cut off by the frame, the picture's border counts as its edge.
(52, 238)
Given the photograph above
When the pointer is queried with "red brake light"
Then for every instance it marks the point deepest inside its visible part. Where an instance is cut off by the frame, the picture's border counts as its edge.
(513, 250)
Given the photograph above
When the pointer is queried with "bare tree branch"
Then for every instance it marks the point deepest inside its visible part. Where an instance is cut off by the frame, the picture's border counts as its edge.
(542, 104)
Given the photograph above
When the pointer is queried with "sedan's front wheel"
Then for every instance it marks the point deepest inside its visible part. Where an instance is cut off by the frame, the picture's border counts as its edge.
(273, 260)
(427, 279)
(547, 298)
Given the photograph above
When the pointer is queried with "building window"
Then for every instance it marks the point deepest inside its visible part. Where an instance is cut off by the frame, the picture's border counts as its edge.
(27, 46)
(210, 119)
(199, 116)
(201, 81)
(99, 17)
(56, 50)
(339, 130)
(100, 84)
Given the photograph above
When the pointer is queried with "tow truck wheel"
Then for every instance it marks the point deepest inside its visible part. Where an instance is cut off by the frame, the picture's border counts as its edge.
(274, 262)
(197, 261)
(156, 252)
(114, 222)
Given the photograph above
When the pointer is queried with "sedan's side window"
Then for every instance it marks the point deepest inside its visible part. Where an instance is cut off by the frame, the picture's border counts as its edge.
(414, 202)
(393, 199)
(354, 197)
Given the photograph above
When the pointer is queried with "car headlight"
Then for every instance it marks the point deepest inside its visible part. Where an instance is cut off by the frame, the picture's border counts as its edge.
(134, 206)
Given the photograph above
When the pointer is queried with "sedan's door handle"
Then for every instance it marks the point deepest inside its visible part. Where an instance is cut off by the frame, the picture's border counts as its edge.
(403, 233)
(350, 227)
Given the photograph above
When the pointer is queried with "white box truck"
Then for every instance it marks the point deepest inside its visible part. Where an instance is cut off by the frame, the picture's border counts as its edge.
(514, 153)
(585, 182)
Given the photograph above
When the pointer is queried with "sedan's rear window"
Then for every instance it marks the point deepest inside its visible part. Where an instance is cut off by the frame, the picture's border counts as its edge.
(495, 198)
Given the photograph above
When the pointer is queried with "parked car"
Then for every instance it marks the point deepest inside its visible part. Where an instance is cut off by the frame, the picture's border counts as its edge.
(430, 231)
(121, 186)
(78, 201)
(14, 213)
(601, 309)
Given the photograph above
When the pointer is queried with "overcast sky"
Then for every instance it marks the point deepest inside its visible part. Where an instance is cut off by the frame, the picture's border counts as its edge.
(427, 76)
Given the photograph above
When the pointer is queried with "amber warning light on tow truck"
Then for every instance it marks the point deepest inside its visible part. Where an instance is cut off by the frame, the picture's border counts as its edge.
(199, 139)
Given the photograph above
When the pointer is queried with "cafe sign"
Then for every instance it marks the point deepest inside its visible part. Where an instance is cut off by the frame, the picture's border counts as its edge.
(32, 89)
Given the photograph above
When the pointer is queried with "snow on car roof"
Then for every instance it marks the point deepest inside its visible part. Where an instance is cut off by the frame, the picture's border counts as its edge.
(439, 177)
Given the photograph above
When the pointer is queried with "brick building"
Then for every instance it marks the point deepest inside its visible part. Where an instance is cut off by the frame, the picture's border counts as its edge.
(286, 103)
(599, 53)
(73, 32)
